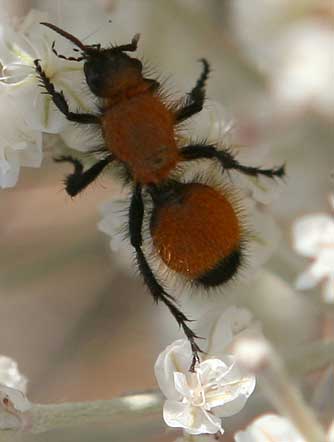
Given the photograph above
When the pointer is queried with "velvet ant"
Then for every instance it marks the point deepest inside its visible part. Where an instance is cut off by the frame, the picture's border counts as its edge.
(195, 229)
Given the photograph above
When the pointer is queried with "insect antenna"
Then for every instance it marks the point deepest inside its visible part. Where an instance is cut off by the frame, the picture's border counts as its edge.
(86, 49)
(66, 35)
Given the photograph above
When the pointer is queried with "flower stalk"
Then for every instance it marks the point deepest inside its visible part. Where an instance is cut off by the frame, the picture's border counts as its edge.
(54, 416)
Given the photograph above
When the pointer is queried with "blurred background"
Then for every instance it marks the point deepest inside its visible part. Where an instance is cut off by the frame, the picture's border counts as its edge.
(80, 325)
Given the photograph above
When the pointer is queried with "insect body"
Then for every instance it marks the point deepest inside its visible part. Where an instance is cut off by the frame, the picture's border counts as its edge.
(146, 145)
(195, 229)
(197, 233)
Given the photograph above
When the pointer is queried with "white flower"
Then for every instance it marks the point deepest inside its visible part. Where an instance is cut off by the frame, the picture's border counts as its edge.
(274, 428)
(19, 144)
(13, 403)
(10, 375)
(196, 401)
(305, 72)
(313, 237)
(18, 50)
(270, 428)
(14, 409)
(114, 222)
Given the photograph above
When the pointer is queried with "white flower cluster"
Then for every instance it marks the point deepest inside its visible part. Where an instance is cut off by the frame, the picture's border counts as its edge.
(218, 388)
(26, 113)
(292, 43)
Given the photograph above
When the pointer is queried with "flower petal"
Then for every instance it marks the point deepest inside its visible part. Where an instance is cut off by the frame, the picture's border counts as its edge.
(233, 407)
(213, 370)
(193, 419)
(324, 264)
(114, 222)
(10, 375)
(233, 385)
(310, 231)
(9, 178)
(176, 357)
(181, 384)
(269, 428)
(19, 144)
(17, 398)
(14, 409)
(306, 280)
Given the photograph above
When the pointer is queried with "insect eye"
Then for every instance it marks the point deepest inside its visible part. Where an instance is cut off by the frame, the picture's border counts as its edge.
(94, 76)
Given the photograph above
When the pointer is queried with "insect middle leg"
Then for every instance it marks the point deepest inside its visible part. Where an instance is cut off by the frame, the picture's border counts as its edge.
(195, 99)
(77, 181)
(60, 100)
(136, 216)
(227, 160)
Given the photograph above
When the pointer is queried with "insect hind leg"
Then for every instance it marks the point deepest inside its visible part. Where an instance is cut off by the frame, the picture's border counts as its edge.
(136, 216)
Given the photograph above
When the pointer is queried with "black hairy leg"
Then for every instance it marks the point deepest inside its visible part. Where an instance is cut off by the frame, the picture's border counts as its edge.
(60, 101)
(195, 98)
(80, 179)
(136, 216)
(227, 160)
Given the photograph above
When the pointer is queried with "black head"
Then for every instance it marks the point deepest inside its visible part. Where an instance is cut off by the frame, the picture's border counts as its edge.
(111, 71)
(108, 71)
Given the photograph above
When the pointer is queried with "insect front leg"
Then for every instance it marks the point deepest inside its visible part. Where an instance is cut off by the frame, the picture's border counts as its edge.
(227, 160)
(77, 181)
(195, 99)
(136, 216)
(60, 100)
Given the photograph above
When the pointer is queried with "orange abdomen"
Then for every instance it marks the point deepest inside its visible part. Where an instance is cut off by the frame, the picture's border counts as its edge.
(198, 234)
(140, 132)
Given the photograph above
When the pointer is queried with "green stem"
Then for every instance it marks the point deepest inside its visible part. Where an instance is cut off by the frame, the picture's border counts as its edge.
(49, 417)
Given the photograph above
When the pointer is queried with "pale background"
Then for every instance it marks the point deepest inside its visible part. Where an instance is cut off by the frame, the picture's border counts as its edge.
(79, 326)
